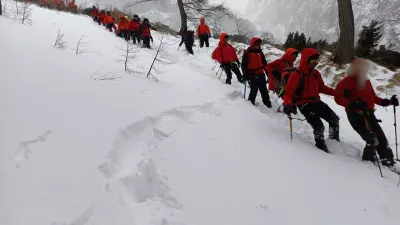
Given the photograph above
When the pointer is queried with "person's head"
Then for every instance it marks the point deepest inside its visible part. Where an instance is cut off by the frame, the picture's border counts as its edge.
(359, 69)
(146, 20)
(202, 20)
(135, 17)
(223, 38)
(126, 18)
(313, 61)
(94, 7)
(108, 13)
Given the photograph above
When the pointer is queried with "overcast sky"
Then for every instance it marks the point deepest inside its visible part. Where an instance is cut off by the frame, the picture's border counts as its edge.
(239, 5)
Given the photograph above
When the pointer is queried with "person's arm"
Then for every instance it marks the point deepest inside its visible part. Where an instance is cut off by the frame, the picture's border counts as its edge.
(292, 85)
(245, 63)
(181, 41)
(322, 87)
(218, 54)
(340, 94)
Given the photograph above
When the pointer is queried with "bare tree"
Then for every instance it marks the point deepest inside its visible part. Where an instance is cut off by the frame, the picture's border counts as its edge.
(127, 52)
(16, 10)
(192, 10)
(161, 57)
(26, 12)
(241, 27)
(60, 43)
(81, 45)
(345, 50)
(1, 9)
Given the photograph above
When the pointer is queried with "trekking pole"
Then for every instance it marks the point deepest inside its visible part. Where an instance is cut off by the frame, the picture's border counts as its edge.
(217, 71)
(376, 154)
(179, 47)
(214, 66)
(245, 87)
(395, 133)
(291, 127)
(222, 70)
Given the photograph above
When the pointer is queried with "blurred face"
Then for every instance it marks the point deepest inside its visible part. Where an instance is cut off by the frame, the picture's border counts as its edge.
(313, 62)
(294, 56)
(226, 39)
(257, 44)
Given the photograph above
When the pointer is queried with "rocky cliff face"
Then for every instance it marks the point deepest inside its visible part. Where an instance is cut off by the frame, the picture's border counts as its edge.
(319, 18)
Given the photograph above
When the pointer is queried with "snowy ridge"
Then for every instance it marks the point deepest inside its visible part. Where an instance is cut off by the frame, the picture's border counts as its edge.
(182, 151)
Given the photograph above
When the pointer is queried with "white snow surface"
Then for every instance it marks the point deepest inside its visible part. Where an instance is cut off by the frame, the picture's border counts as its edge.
(77, 150)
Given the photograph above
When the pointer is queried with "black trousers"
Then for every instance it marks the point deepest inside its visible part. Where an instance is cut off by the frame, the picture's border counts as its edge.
(258, 82)
(229, 67)
(204, 39)
(125, 34)
(135, 37)
(189, 48)
(371, 132)
(146, 41)
(314, 112)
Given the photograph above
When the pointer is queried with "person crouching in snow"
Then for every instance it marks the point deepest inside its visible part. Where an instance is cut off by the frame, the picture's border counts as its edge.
(226, 56)
(144, 31)
(187, 38)
(253, 66)
(276, 68)
(303, 89)
(357, 95)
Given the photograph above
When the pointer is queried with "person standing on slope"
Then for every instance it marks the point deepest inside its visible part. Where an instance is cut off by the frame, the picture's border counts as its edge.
(134, 28)
(187, 38)
(276, 68)
(144, 31)
(95, 14)
(100, 17)
(303, 89)
(226, 55)
(123, 27)
(203, 33)
(109, 22)
(253, 66)
(357, 95)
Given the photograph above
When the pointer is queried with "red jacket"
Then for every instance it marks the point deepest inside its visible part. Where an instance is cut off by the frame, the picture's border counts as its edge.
(225, 52)
(134, 25)
(101, 16)
(286, 61)
(144, 30)
(313, 84)
(347, 91)
(123, 24)
(253, 60)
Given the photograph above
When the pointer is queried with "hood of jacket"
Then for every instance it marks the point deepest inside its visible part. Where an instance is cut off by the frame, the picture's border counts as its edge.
(305, 55)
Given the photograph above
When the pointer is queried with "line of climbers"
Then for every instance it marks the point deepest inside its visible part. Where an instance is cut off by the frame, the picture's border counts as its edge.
(300, 88)
(203, 34)
(59, 4)
(128, 29)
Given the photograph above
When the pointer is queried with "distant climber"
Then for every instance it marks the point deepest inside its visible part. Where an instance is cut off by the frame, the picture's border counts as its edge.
(203, 33)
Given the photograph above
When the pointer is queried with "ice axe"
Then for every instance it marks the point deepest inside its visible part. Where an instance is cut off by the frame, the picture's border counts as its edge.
(395, 132)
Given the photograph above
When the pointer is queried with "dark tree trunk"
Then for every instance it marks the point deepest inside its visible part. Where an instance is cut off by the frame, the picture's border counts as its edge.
(345, 49)
(1, 9)
(182, 12)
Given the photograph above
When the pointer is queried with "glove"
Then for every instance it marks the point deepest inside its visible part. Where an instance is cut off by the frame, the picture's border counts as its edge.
(385, 102)
(288, 109)
(394, 100)
(238, 63)
(222, 65)
(358, 105)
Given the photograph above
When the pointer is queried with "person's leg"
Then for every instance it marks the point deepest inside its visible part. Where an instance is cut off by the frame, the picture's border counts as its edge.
(228, 72)
(358, 123)
(262, 86)
(383, 149)
(236, 70)
(201, 41)
(253, 89)
(189, 49)
(326, 113)
(206, 40)
(309, 111)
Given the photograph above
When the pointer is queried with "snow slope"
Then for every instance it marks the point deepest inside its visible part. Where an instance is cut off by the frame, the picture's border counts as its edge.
(185, 150)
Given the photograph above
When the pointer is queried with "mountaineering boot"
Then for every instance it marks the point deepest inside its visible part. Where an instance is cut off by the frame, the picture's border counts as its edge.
(240, 79)
(334, 133)
(392, 165)
(228, 81)
(369, 153)
(321, 145)
(267, 103)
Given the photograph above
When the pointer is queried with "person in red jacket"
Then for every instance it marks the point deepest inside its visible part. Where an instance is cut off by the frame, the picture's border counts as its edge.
(228, 59)
(100, 17)
(356, 94)
(95, 13)
(277, 67)
(303, 89)
(134, 28)
(109, 22)
(203, 33)
(144, 31)
(253, 66)
(72, 6)
(123, 27)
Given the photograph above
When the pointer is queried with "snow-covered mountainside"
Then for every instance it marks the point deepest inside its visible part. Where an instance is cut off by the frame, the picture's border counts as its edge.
(166, 11)
(319, 19)
(83, 142)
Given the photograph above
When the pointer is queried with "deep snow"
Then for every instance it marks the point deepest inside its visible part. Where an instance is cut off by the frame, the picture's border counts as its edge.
(185, 150)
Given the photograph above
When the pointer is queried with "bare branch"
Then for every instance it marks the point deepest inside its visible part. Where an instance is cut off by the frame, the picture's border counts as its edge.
(81, 46)
(106, 76)
(60, 43)
(127, 53)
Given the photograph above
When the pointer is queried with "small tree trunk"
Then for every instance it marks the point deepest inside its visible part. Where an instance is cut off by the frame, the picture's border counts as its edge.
(345, 51)
(1, 9)
(183, 13)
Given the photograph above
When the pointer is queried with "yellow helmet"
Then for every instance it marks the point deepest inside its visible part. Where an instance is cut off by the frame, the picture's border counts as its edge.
(126, 17)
